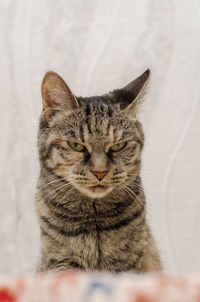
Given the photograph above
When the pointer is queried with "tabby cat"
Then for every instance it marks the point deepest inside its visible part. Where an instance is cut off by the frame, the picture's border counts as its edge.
(90, 200)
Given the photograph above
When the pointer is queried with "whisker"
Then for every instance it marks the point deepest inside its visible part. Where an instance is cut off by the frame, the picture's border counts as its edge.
(60, 201)
(127, 189)
(135, 185)
(60, 191)
(53, 181)
(65, 185)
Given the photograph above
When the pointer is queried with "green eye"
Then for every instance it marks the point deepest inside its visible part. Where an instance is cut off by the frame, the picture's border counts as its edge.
(76, 147)
(118, 147)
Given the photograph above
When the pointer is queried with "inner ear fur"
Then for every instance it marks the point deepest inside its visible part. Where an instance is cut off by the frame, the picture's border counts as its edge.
(56, 94)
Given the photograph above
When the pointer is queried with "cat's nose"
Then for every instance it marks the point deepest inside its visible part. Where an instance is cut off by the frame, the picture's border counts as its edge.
(100, 174)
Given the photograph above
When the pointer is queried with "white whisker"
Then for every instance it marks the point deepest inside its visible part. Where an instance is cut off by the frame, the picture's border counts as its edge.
(128, 190)
(60, 201)
(65, 185)
(53, 181)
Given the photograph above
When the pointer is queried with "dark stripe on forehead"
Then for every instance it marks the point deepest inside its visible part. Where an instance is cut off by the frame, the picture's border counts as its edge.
(87, 120)
(71, 132)
(102, 108)
(81, 133)
(108, 127)
(96, 121)
(110, 111)
(87, 110)
(88, 125)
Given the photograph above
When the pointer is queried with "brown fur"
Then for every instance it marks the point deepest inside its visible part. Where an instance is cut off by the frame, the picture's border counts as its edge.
(87, 222)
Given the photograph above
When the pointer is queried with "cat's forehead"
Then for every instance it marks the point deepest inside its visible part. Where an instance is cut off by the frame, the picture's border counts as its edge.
(96, 123)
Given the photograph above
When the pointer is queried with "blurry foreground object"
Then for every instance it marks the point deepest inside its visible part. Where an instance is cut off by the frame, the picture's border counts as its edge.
(78, 286)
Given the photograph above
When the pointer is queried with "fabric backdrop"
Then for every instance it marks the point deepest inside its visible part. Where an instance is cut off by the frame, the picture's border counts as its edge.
(97, 46)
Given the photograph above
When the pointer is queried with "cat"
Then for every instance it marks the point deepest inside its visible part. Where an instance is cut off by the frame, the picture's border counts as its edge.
(90, 200)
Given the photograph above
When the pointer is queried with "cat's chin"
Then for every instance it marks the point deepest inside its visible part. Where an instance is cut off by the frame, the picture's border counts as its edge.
(95, 191)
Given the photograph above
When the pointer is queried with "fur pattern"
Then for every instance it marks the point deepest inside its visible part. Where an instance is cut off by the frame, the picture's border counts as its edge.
(87, 222)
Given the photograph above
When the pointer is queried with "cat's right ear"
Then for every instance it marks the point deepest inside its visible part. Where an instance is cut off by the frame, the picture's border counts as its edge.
(56, 95)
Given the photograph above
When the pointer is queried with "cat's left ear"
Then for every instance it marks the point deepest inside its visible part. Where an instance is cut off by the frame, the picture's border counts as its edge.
(129, 97)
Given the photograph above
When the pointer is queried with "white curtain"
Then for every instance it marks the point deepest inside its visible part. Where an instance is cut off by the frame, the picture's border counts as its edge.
(97, 46)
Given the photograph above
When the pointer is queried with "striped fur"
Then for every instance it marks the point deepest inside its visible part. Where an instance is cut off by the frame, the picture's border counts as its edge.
(83, 225)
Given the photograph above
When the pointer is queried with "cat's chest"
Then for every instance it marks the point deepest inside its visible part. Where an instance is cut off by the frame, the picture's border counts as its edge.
(100, 249)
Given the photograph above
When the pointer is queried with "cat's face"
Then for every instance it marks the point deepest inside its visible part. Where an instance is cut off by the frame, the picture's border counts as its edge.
(93, 143)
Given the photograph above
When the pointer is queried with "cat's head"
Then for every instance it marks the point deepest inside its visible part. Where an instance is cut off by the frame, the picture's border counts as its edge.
(94, 143)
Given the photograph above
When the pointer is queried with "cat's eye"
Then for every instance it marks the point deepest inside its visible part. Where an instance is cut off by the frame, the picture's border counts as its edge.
(118, 147)
(76, 147)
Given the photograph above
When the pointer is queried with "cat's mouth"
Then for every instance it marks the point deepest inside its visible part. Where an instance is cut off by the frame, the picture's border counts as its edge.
(97, 191)
(98, 188)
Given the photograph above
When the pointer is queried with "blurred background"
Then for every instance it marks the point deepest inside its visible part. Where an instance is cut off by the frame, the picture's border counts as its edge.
(97, 46)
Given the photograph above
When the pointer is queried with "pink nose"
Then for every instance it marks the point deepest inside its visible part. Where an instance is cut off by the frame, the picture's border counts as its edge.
(100, 174)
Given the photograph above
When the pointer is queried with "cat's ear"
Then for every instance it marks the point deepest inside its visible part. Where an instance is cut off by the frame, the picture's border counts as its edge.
(131, 95)
(56, 95)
